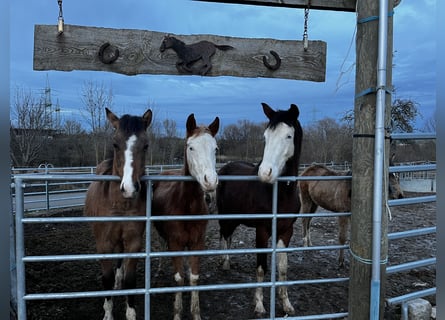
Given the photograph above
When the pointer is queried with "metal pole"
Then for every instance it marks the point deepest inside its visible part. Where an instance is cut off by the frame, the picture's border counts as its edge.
(20, 249)
(148, 251)
(379, 159)
(273, 259)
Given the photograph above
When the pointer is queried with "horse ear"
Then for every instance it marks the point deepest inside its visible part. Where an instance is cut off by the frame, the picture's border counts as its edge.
(148, 115)
(114, 120)
(214, 126)
(268, 111)
(191, 123)
(294, 110)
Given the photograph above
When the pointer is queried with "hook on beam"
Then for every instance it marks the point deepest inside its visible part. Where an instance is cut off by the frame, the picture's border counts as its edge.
(275, 66)
(107, 56)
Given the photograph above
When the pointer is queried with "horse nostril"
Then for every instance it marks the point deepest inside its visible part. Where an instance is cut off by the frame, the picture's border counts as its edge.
(122, 188)
(205, 179)
(270, 172)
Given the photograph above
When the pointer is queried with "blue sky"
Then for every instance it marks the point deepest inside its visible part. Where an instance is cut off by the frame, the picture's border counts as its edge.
(230, 98)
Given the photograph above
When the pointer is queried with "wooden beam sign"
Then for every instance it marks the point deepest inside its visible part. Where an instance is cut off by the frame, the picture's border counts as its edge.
(132, 52)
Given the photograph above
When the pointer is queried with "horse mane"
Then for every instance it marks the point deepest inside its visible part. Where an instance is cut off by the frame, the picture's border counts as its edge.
(105, 167)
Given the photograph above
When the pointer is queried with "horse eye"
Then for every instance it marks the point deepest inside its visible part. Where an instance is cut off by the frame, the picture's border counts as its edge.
(289, 137)
(191, 148)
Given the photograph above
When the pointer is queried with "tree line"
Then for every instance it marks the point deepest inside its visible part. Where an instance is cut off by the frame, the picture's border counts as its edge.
(36, 137)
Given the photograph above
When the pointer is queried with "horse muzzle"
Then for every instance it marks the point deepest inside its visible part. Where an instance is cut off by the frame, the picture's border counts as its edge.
(209, 182)
(267, 174)
(130, 191)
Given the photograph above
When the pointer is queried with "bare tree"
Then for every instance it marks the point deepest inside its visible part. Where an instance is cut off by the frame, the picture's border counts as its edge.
(95, 97)
(403, 115)
(30, 128)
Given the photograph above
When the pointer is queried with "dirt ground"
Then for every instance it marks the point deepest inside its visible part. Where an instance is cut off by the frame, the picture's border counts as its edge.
(75, 238)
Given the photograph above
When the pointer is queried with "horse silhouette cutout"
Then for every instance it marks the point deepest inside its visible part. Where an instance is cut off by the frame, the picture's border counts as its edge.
(189, 54)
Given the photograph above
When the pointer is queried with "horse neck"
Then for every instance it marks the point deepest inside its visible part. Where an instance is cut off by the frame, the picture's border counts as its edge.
(177, 44)
(291, 167)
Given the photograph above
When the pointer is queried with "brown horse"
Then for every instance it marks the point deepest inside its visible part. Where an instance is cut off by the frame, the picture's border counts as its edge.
(188, 198)
(188, 54)
(332, 195)
(281, 156)
(126, 197)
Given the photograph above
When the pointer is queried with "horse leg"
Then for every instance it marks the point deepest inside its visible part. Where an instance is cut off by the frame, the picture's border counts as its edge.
(343, 229)
(226, 230)
(307, 207)
(132, 243)
(261, 268)
(119, 275)
(108, 275)
(282, 276)
(225, 244)
(178, 269)
(107, 283)
(194, 277)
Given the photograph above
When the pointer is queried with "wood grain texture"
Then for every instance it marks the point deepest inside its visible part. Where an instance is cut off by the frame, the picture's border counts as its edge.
(77, 48)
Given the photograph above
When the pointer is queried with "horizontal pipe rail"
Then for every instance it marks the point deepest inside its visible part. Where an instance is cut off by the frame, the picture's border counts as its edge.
(182, 218)
(411, 233)
(411, 296)
(411, 168)
(160, 254)
(410, 265)
(414, 200)
(208, 287)
(413, 136)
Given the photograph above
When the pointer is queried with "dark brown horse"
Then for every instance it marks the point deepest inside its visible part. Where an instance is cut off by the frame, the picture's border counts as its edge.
(188, 198)
(283, 136)
(188, 54)
(335, 196)
(126, 197)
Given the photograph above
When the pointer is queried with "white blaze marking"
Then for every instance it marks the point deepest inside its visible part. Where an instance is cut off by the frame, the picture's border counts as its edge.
(201, 160)
(278, 149)
(127, 179)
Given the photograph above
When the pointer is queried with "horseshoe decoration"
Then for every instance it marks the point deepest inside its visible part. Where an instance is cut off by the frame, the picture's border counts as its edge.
(274, 67)
(106, 55)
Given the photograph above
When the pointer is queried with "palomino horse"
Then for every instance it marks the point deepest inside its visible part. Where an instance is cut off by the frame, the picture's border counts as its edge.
(332, 195)
(188, 198)
(126, 197)
(281, 156)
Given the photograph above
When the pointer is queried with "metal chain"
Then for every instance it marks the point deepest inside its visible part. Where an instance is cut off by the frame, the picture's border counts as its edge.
(306, 18)
(60, 21)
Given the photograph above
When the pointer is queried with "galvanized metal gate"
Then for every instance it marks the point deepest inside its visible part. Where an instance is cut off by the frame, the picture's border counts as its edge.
(22, 260)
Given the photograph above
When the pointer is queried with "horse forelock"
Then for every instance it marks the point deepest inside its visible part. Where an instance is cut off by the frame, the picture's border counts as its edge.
(131, 124)
(282, 116)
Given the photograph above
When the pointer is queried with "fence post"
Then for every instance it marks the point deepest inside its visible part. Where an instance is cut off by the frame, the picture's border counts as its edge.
(363, 161)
